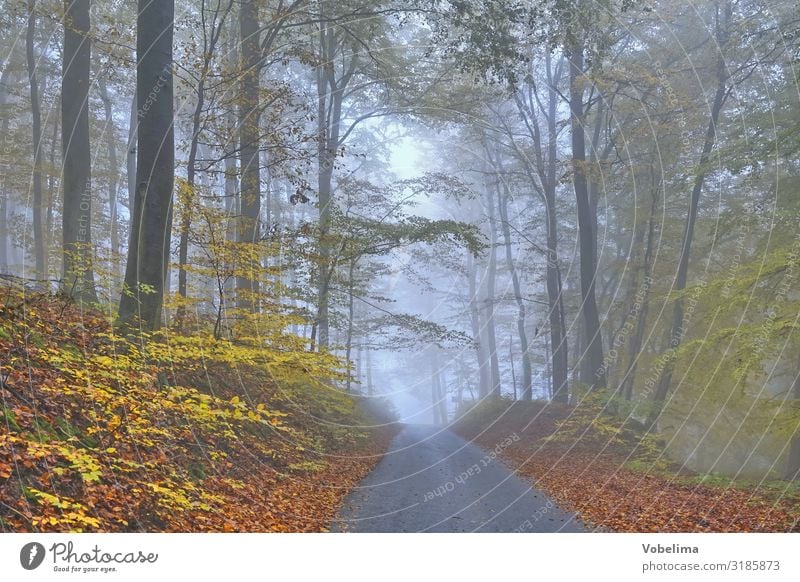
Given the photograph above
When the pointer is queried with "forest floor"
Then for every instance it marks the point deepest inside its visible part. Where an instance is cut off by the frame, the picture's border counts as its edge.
(614, 481)
(97, 436)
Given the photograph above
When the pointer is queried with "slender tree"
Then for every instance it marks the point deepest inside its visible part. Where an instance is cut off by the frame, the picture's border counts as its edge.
(113, 178)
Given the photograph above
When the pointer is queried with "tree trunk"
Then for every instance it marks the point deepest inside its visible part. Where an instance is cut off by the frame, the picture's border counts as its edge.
(368, 365)
(38, 231)
(527, 392)
(249, 226)
(793, 458)
(350, 312)
(52, 182)
(438, 396)
(491, 281)
(559, 353)
(547, 370)
(359, 363)
(558, 322)
(4, 247)
(593, 373)
(635, 347)
(113, 180)
(477, 329)
(513, 370)
(330, 97)
(151, 220)
(435, 392)
(325, 158)
(78, 279)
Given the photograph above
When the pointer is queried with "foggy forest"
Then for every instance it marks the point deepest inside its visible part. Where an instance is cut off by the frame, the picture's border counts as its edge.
(399, 265)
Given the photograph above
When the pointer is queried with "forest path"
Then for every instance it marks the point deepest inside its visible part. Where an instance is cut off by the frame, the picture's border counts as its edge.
(432, 480)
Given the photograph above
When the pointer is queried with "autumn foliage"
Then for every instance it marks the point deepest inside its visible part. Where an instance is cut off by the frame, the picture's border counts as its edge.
(616, 478)
(178, 433)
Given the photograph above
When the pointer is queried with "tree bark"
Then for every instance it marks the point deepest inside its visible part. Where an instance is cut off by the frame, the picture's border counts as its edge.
(151, 220)
(368, 365)
(113, 180)
(38, 230)
(330, 97)
(593, 373)
(546, 166)
(350, 314)
(249, 224)
(4, 247)
(438, 396)
(52, 182)
(793, 458)
(527, 392)
(130, 162)
(491, 280)
(559, 353)
(635, 346)
(78, 279)
(477, 329)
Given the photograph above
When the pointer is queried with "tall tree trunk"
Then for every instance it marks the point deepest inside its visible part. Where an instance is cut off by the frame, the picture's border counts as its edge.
(151, 220)
(435, 410)
(678, 329)
(4, 231)
(513, 370)
(113, 179)
(438, 395)
(547, 369)
(793, 458)
(368, 365)
(38, 231)
(593, 373)
(477, 329)
(546, 165)
(232, 197)
(635, 346)
(527, 392)
(491, 281)
(52, 181)
(330, 97)
(359, 363)
(559, 352)
(130, 162)
(249, 229)
(78, 279)
(350, 313)
(326, 157)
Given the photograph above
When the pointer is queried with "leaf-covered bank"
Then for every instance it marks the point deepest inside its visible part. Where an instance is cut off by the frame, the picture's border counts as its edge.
(185, 433)
(618, 479)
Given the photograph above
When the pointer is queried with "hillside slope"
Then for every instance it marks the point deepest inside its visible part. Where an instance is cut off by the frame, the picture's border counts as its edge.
(183, 433)
(617, 479)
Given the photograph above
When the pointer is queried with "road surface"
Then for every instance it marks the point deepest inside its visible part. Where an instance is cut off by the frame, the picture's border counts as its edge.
(432, 480)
